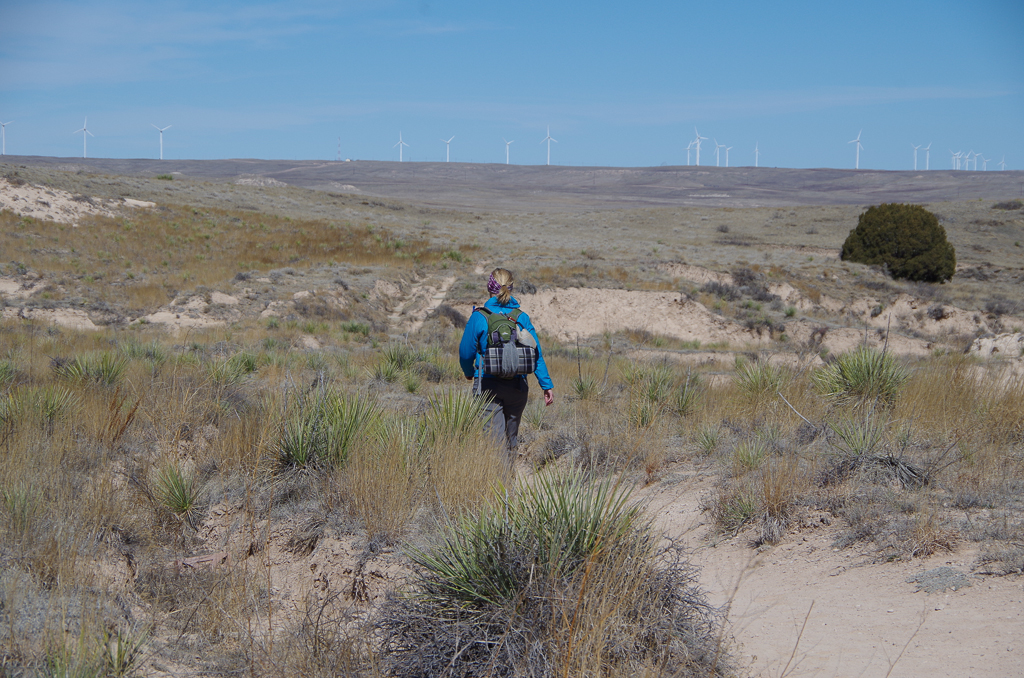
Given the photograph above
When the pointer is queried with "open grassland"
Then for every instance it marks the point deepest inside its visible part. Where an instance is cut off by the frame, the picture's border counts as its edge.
(247, 497)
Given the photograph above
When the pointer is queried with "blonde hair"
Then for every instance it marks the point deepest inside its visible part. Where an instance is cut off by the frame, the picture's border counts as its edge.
(504, 278)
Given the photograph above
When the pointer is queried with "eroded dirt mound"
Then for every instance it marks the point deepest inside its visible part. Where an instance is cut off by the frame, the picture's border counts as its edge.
(53, 204)
(1006, 345)
(583, 312)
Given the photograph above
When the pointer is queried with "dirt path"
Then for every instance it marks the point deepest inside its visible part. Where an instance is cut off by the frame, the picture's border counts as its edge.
(421, 301)
(864, 619)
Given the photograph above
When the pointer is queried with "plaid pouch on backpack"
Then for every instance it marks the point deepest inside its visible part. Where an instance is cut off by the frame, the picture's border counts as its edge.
(511, 349)
(510, 359)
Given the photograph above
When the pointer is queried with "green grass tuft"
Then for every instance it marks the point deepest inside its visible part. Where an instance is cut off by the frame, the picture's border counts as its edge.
(861, 376)
(177, 490)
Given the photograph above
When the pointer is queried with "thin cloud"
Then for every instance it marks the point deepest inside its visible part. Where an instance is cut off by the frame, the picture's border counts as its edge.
(57, 43)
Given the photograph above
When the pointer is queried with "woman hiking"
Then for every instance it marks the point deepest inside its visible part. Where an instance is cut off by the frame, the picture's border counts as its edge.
(508, 395)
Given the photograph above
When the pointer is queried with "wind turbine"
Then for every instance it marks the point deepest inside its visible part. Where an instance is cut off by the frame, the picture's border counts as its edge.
(400, 144)
(507, 143)
(856, 164)
(757, 153)
(547, 139)
(967, 160)
(688, 148)
(1002, 164)
(447, 149)
(161, 130)
(728, 148)
(697, 141)
(927, 155)
(718, 147)
(915, 155)
(3, 137)
(984, 163)
(956, 158)
(85, 135)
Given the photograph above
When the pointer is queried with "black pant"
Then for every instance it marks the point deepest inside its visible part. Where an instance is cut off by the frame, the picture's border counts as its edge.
(508, 400)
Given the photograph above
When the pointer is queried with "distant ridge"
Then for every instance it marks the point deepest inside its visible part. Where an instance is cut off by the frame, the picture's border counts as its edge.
(555, 188)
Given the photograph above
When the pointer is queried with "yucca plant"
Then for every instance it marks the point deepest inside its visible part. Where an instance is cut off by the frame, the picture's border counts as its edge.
(453, 413)
(385, 371)
(860, 437)
(402, 356)
(245, 362)
(585, 387)
(54, 404)
(559, 577)
(750, 454)
(547, 529)
(106, 368)
(411, 382)
(657, 383)
(759, 380)
(153, 351)
(226, 372)
(344, 418)
(177, 490)
(861, 376)
(324, 427)
(8, 371)
(707, 439)
(689, 395)
(651, 381)
(301, 443)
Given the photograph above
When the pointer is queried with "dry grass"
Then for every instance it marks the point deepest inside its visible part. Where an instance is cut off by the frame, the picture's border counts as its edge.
(84, 533)
(140, 263)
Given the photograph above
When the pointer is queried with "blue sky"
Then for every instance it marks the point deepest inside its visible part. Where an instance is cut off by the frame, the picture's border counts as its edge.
(620, 84)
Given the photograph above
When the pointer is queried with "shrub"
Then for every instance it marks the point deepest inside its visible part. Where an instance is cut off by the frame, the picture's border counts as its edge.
(907, 239)
(727, 292)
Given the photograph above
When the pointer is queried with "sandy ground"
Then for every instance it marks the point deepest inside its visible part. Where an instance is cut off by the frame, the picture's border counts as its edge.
(54, 204)
(866, 619)
(799, 608)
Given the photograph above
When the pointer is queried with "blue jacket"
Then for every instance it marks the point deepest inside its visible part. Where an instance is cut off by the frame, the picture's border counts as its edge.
(474, 340)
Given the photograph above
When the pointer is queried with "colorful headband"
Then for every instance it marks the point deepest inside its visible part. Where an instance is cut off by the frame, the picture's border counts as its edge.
(492, 285)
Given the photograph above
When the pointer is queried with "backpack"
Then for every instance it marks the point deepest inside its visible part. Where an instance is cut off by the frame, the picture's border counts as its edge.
(511, 349)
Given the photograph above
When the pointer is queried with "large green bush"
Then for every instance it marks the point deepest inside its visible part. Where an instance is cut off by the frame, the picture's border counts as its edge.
(907, 239)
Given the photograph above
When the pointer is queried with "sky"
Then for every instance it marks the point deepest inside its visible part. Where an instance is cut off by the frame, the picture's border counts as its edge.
(620, 84)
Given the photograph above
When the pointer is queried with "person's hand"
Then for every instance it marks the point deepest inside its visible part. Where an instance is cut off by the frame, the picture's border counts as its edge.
(470, 378)
(549, 397)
